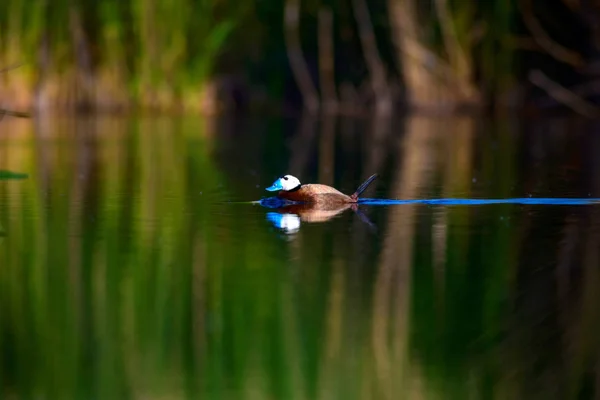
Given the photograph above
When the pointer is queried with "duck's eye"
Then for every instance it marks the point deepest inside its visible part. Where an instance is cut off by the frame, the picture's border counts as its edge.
(285, 177)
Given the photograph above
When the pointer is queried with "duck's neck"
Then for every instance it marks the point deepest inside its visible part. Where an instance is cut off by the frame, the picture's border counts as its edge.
(295, 189)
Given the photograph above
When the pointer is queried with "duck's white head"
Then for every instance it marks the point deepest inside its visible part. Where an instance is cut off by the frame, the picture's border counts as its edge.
(286, 182)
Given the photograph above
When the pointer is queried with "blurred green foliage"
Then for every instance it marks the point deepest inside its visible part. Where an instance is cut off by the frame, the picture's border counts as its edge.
(168, 53)
(165, 52)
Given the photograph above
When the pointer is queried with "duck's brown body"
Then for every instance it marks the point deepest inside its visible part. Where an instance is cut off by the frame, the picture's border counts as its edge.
(289, 188)
(316, 193)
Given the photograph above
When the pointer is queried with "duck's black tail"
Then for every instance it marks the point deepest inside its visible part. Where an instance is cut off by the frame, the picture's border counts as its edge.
(363, 187)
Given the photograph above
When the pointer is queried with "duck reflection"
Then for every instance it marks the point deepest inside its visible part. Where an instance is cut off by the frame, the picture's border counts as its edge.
(288, 216)
(288, 223)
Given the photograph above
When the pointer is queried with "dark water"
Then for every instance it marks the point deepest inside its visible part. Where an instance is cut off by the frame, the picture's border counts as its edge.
(131, 268)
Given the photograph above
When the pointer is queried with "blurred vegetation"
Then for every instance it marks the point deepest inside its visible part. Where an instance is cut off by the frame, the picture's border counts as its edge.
(122, 276)
(210, 55)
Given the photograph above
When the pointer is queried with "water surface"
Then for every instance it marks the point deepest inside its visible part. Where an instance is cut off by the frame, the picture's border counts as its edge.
(132, 266)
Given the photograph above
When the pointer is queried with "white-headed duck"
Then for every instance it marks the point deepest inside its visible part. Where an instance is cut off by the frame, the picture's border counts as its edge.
(290, 188)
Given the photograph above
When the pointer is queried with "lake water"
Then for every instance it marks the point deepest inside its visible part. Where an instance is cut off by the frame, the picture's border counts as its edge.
(133, 267)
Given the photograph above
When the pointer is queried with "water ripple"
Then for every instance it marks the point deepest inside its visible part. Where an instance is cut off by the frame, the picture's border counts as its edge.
(467, 202)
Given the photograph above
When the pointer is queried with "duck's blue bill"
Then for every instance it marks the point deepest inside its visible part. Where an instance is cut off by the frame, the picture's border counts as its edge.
(275, 186)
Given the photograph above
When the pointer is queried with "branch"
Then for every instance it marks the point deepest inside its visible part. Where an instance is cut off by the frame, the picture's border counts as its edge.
(525, 43)
(296, 58)
(374, 62)
(327, 60)
(456, 53)
(11, 67)
(563, 95)
(590, 88)
(10, 113)
(436, 66)
(430, 61)
(573, 5)
(556, 50)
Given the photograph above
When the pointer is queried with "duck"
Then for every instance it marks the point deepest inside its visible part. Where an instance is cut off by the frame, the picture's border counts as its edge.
(290, 188)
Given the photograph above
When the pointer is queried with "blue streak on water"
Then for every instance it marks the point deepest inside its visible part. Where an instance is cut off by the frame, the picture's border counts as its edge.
(275, 202)
(475, 202)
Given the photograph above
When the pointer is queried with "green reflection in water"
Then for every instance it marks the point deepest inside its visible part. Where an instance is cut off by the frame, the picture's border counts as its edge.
(9, 175)
(6, 175)
(124, 276)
